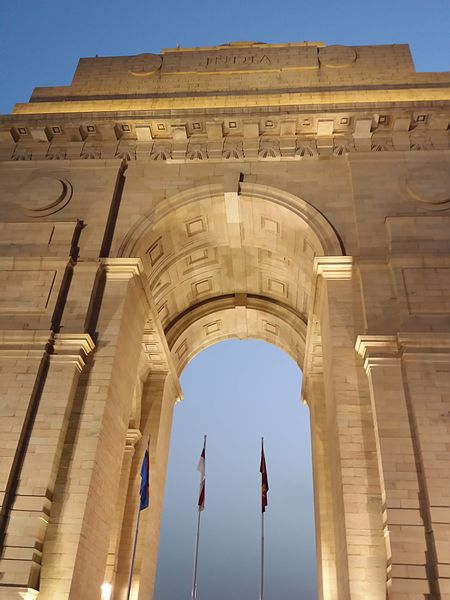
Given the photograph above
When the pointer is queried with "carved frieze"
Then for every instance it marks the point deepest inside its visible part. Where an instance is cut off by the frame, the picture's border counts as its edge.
(292, 138)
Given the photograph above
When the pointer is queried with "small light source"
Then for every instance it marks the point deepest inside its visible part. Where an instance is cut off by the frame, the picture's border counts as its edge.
(29, 595)
(106, 591)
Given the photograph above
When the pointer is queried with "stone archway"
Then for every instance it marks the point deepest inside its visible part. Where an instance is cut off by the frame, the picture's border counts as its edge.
(209, 250)
(245, 263)
(146, 213)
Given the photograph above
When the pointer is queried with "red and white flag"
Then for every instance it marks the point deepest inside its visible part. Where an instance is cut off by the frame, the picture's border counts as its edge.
(201, 470)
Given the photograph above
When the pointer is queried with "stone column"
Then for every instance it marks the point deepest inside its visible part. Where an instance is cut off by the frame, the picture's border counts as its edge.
(76, 545)
(159, 396)
(409, 547)
(355, 487)
(37, 462)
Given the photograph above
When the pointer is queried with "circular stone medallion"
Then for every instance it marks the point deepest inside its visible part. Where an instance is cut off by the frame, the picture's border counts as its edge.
(337, 56)
(144, 65)
(44, 195)
(430, 185)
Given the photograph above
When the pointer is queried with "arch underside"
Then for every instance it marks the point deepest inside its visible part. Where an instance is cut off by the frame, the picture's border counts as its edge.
(232, 260)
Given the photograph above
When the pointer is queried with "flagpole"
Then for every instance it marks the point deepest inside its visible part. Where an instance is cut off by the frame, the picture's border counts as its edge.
(197, 543)
(261, 582)
(133, 555)
(194, 577)
(262, 558)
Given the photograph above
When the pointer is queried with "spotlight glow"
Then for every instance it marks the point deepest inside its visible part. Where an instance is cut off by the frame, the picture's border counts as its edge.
(106, 591)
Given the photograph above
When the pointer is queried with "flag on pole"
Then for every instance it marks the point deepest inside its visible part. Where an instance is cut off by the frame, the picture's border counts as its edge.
(143, 503)
(201, 506)
(145, 482)
(264, 480)
(201, 470)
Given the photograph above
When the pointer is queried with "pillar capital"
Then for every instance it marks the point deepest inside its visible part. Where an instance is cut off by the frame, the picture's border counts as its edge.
(133, 437)
(378, 350)
(334, 267)
(122, 268)
(387, 350)
(72, 348)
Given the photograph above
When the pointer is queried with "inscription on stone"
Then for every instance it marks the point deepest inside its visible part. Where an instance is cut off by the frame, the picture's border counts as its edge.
(248, 60)
(241, 59)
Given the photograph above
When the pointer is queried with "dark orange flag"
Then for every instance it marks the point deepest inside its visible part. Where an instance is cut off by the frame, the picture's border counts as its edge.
(264, 480)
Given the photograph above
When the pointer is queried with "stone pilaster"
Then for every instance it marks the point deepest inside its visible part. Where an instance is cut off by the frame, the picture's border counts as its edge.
(409, 545)
(35, 470)
(76, 547)
(323, 500)
(23, 364)
(360, 548)
(426, 360)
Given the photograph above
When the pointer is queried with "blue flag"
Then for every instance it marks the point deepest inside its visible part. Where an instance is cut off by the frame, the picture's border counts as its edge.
(145, 482)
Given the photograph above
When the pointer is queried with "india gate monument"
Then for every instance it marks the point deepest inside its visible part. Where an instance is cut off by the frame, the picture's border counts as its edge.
(160, 203)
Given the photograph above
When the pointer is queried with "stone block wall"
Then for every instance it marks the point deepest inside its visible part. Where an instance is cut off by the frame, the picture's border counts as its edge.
(162, 203)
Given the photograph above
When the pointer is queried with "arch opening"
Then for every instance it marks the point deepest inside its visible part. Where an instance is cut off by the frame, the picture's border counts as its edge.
(217, 265)
(236, 391)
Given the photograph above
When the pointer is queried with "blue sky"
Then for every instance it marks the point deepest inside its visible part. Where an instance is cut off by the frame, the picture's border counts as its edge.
(238, 390)
(235, 392)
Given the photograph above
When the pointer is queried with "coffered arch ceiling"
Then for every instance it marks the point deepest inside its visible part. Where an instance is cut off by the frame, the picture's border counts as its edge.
(236, 263)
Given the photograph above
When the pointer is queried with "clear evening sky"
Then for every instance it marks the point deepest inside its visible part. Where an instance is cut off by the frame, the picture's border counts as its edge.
(237, 390)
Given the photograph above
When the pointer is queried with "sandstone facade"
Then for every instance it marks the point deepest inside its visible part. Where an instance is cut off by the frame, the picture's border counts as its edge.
(297, 193)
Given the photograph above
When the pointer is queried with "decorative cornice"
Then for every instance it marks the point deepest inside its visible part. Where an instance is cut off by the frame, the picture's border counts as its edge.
(385, 351)
(333, 267)
(273, 150)
(69, 342)
(377, 345)
(255, 135)
(121, 268)
(25, 339)
(72, 348)
(24, 344)
(378, 350)
(429, 347)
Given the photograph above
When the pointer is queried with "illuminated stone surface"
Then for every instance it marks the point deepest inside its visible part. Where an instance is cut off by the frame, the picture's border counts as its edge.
(294, 193)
